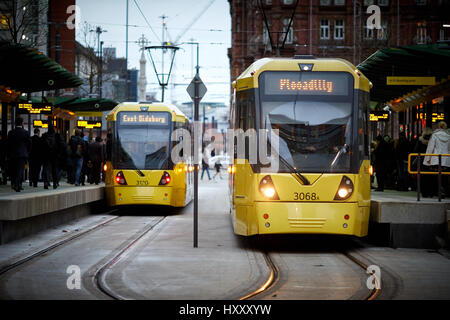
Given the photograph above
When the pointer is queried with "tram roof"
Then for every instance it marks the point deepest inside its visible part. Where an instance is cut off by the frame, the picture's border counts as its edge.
(152, 106)
(249, 78)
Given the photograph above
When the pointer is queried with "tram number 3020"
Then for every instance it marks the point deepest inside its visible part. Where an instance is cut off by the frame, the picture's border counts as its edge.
(305, 196)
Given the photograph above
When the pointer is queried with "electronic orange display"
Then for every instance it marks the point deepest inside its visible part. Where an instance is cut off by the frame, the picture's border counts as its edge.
(142, 118)
(312, 85)
(34, 108)
(306, 83)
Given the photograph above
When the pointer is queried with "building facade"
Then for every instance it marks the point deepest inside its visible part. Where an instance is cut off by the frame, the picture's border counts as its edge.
(330, 28)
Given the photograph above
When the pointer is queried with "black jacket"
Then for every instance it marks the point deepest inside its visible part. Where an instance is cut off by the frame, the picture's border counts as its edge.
(19, 143)
(95, 152)
(36, 148)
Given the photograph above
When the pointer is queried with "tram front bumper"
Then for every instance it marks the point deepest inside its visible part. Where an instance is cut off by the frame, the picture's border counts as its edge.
(139, 195)
(312, 217)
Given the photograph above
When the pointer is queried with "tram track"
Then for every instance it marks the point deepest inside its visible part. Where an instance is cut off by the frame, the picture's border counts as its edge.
(12, 265)
(100, 273)
(275, 273)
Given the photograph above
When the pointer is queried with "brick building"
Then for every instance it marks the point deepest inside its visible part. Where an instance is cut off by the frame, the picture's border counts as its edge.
(330, 28)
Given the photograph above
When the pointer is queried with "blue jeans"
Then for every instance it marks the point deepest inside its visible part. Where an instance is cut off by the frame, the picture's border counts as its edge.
(77, 164)
(203, 172)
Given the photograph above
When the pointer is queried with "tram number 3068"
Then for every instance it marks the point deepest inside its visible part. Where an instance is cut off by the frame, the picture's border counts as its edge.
(305, 196)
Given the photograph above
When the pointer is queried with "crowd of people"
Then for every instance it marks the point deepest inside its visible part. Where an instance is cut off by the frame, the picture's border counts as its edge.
(48, 157)
(390, 161)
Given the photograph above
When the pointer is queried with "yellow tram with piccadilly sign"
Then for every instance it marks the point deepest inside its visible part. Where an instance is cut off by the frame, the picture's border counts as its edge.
(139, 169)
(316, 112)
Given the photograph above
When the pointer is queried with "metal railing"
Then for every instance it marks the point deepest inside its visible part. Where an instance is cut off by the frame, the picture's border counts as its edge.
(419, 171)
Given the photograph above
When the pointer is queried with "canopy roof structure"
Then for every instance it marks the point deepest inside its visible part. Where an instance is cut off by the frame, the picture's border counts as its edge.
(26, 69)
(409, 61)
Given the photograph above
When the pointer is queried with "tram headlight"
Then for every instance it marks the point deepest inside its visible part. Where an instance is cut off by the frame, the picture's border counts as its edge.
(345, 189)
(371, 170)
(165, 179)
(267, 188)
(120, 178)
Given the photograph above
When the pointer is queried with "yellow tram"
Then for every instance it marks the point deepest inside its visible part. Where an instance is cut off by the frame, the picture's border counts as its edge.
(319, 111)
(139, 170)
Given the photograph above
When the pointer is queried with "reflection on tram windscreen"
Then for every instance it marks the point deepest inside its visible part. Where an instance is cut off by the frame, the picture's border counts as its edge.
(145, 144)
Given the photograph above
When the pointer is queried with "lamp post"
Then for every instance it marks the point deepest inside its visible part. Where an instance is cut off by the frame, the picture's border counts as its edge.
(99, 31)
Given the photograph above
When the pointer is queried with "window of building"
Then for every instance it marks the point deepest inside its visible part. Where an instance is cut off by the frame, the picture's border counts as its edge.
(368, 2)
(266, 33)
(339, 29)
(268, 2)
(421, 33)
(288, 1)
(339, 2)
(289, 38)
(383, 2)
(325, 2)
(368, 33)
(421, 2)
(382, 33)
(324, 29)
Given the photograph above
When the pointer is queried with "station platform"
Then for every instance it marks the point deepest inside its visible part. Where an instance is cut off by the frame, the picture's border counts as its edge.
(36, 209)
(397, 219)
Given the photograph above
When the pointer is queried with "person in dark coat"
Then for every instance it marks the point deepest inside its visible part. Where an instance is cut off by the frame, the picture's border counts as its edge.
(381, 161)
(85, 168)
(35, 160)
(19, 145)
(50, 160)
(3, 162)
(402, 149)
(96, 157)
(61, 156)
(76, 145)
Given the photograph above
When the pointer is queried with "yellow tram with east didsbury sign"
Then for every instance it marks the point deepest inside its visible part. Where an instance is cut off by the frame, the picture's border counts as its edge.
(317, 110)
(139, 169)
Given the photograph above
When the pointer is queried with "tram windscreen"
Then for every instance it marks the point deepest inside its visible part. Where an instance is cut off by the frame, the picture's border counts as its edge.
(142, 141)
(313, 114)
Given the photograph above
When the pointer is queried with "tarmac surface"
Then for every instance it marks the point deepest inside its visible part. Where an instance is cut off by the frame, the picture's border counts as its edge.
(163, 264)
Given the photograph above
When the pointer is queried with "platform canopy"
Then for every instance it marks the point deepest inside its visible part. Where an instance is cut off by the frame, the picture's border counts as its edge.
(411, 72)
(26, 69)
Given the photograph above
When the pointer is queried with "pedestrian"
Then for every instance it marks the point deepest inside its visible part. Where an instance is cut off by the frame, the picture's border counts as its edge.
(439, 144)
(402, 149)
(76, 155)
(50, 159)
(205, 159)
(381, 161)
(3, 162)
(36, 154)
(426, 181)
(217, 166)
(19, 144)
(96, 157)
(86, 166)
(61, 156)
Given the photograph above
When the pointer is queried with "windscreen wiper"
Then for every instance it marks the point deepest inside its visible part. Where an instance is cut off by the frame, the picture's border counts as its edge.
(291, 168)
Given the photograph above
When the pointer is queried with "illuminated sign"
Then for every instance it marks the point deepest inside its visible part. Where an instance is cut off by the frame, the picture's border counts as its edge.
(42, 123)
(410, 81)
(435, 117)
(34, 108)
(306, 83)
(312, 85)
(379, 116)
(88, 124)
(139, 117)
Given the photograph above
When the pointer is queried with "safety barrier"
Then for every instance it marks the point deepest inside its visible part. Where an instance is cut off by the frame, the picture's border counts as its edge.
(439, 172)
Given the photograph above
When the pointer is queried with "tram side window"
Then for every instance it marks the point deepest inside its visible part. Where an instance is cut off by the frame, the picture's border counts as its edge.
(363, 131)
(109, 140)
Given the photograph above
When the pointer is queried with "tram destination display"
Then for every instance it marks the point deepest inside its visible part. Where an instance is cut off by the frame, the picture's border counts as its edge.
(143, 118)
(34, 108)
(306, 83)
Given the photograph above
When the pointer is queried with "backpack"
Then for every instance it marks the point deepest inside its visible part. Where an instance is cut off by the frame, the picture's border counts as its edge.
(76, 147)
(49, 143)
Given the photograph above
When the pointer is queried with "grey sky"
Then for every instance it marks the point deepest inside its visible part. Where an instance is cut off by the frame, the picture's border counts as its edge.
(212, 27)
